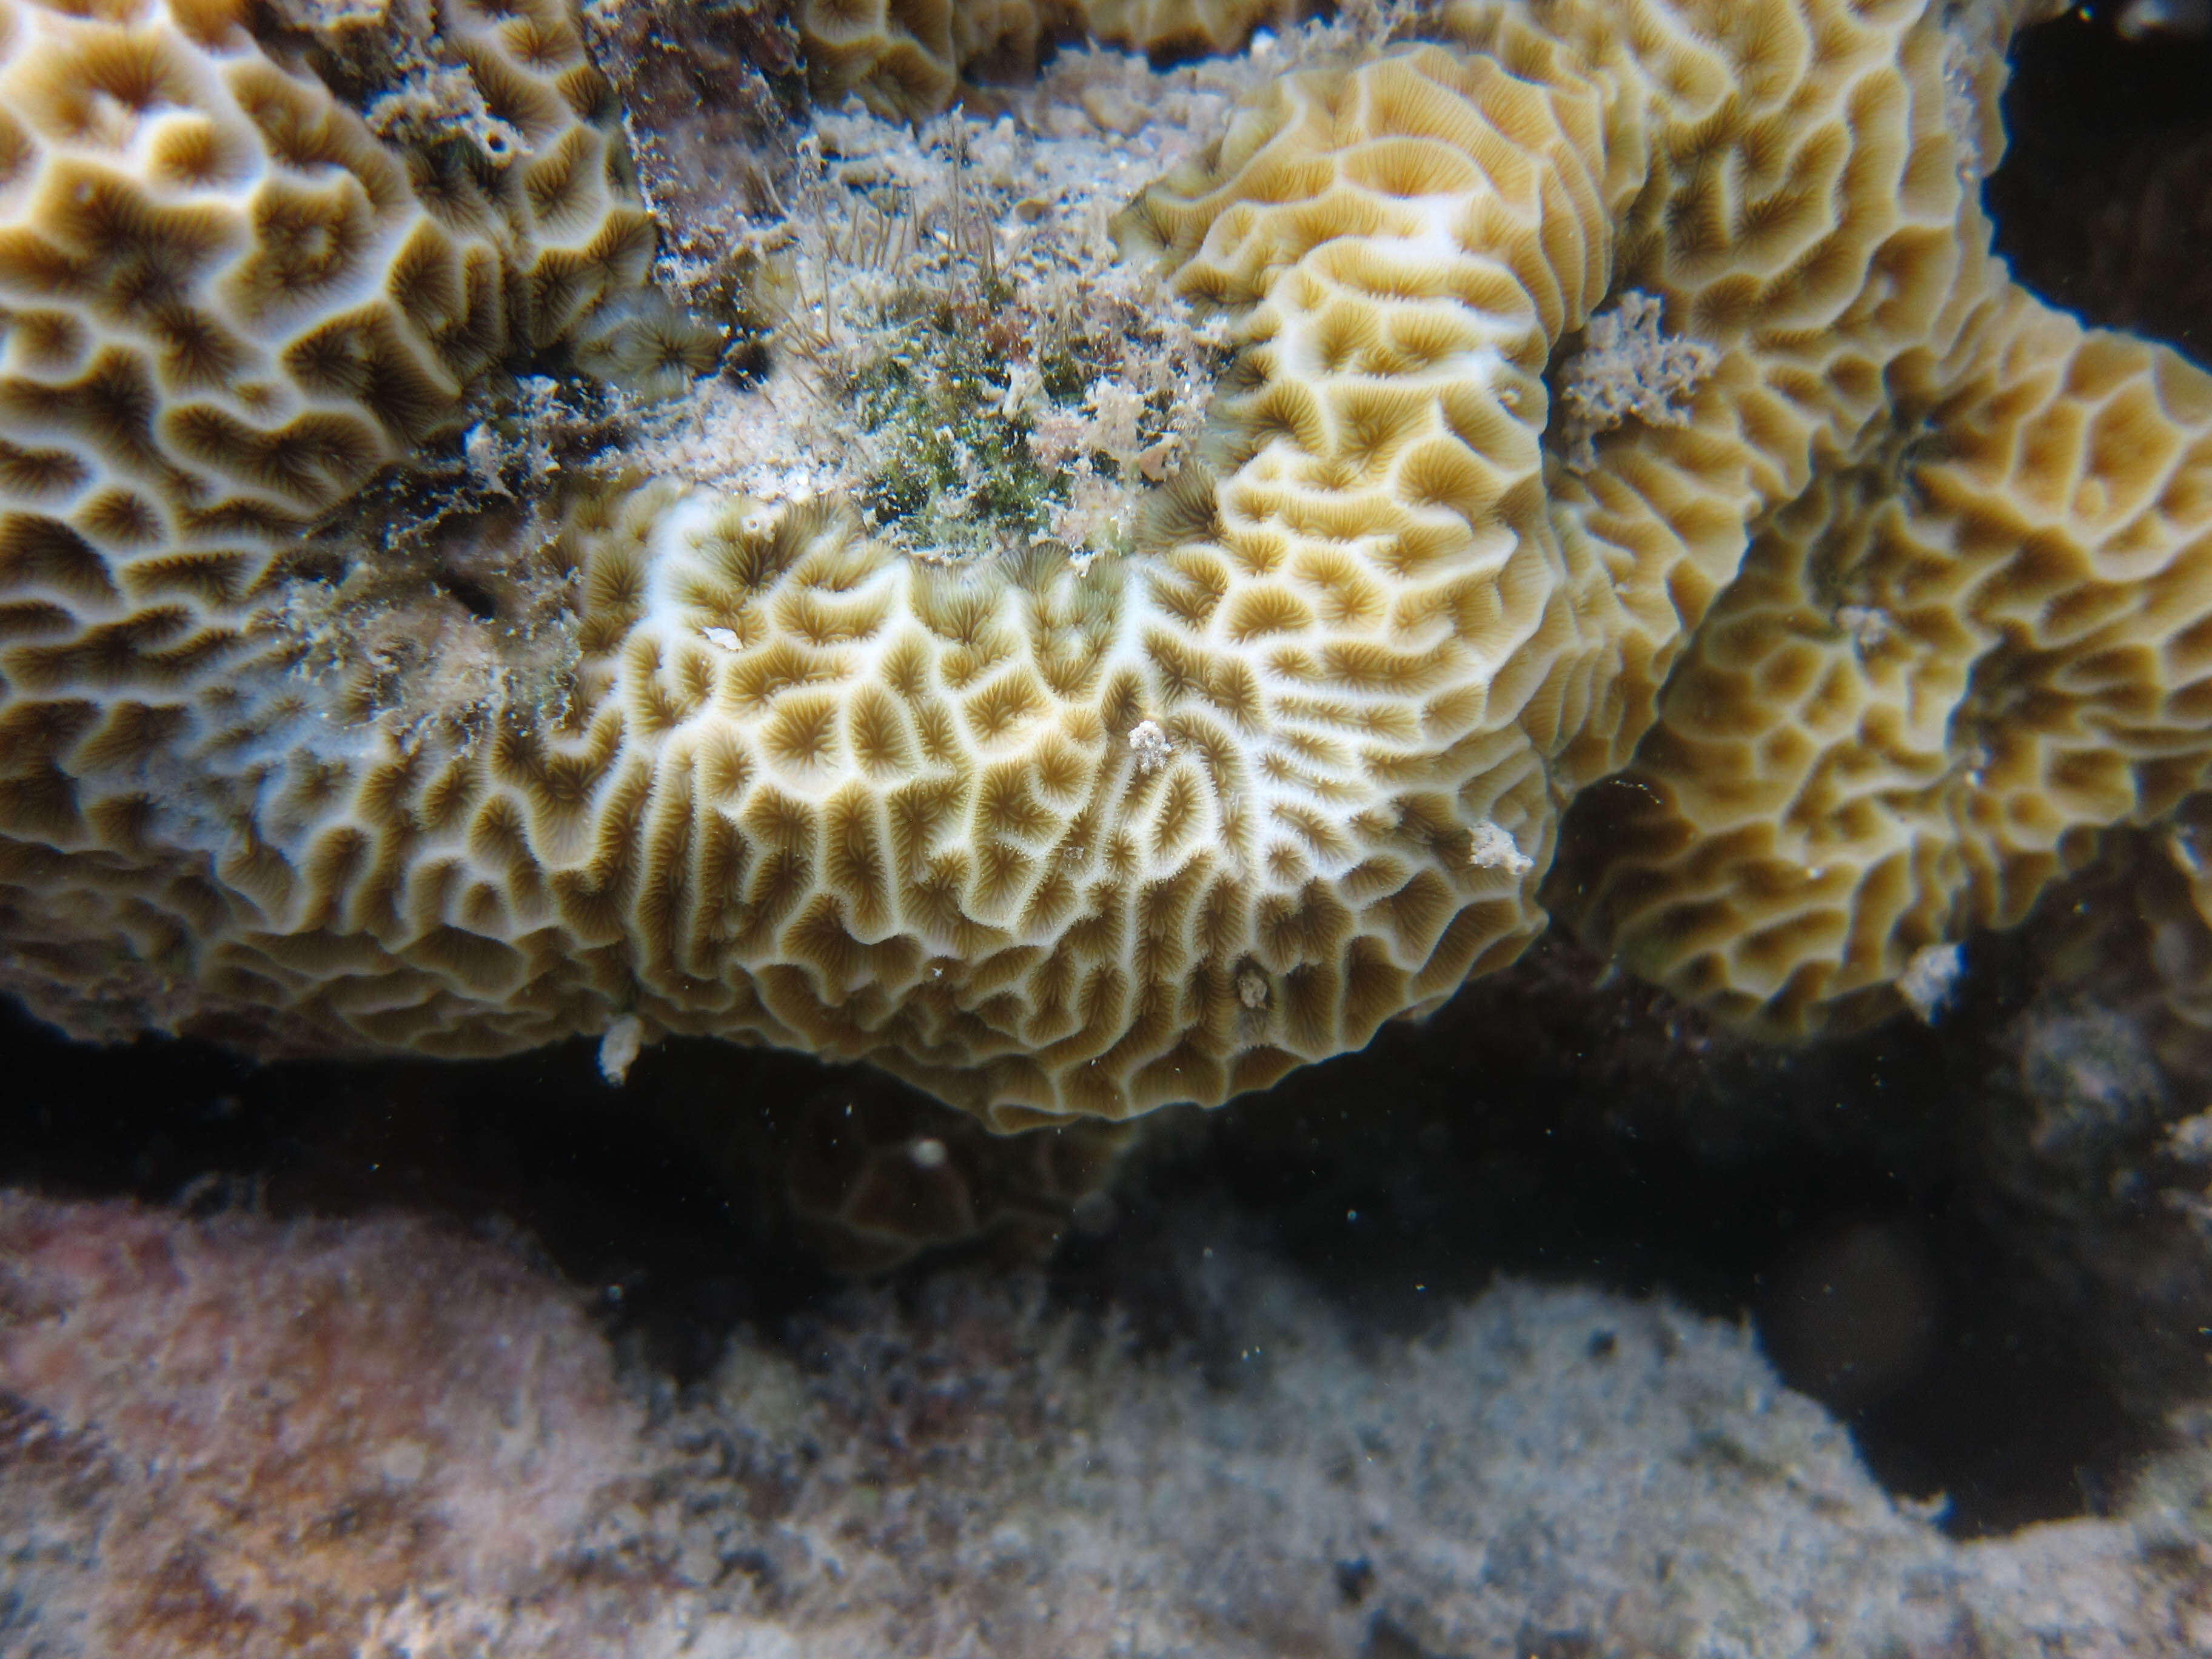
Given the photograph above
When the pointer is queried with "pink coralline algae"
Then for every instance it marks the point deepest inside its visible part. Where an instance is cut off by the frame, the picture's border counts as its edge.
(281, 1438)
(238, 1438)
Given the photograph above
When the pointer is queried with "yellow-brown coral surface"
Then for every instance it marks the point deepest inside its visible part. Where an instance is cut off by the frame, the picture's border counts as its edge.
(910, 57)
(224, 304)
(1052, 835)
(1978, 633)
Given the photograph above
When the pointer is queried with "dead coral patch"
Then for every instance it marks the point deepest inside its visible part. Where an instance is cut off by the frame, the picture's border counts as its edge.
(711, 100)
(955, 346)
(443, 599)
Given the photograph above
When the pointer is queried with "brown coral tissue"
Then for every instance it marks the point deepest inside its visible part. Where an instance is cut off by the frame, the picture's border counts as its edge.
(286, 1436)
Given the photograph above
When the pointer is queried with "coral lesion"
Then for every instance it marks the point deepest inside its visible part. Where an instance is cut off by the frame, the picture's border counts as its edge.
(953, 477)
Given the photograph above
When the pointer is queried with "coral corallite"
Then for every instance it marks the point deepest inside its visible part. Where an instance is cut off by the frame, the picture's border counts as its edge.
(1889, 597)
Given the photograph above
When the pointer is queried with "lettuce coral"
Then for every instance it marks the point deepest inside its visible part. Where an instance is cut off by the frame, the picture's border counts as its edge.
(1061, 821)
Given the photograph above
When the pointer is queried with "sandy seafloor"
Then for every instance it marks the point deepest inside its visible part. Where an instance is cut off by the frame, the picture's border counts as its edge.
(1562, 1326)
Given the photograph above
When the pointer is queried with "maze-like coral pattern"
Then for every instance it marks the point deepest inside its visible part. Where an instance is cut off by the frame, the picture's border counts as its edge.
(1044, 839)
(228, 302)
(572, 231)
(1810, 216)
(224, 308)
(1937, 677)
(1047, 840)
(225, 305)
(1052, 839)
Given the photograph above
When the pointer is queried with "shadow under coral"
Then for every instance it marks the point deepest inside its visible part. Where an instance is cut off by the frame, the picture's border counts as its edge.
(1843, 1196)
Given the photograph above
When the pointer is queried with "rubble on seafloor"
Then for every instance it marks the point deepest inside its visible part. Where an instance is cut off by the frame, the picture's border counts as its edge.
(239, 1436)
(1273, 1399)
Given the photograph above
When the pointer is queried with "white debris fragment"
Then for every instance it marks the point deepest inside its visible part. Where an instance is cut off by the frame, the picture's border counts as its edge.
(1152, 747)
(1628, 368)
(1866, 626)
(927, 1152)
(1252, 989)
(727, 638)
(480, 450)
(1491, 848)
(2190, 1141)
(1930, 979)
(619, 1048)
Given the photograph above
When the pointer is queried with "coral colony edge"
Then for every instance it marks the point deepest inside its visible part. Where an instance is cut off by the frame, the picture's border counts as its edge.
(1154, 590)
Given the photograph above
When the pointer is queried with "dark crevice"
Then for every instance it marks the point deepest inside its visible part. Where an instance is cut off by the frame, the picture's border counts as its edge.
(673, 1257)
(470, 595)
(2103, 202)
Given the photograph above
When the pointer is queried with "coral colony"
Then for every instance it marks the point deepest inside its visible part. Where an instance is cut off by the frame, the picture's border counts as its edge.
(1090, 554)
(1086, 592)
